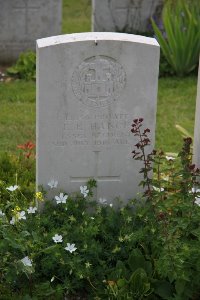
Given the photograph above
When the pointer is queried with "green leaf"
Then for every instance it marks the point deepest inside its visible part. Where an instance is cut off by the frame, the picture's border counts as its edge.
(137, 260)
(163, 289)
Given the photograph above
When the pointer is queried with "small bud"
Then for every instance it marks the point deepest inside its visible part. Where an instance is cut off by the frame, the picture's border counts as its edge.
(161, 216)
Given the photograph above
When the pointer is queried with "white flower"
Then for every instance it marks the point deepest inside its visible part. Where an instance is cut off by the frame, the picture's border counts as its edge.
(12, 221)
(12, 188)
(84, 190)
(102, 201)
(1, 213)
(27, 261)
(70, 247)
(194, 190)
(53, 183)
(169, 158)
(158, 189)
(111, 205)
(61, 198)
(31, 210)
(57, 238)
(197, 201)
(22, 215)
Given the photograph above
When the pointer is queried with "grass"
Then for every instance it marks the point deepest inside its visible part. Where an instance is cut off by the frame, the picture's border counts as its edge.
(17, 114)
(76, 16)
(176, 106)
(176, 97)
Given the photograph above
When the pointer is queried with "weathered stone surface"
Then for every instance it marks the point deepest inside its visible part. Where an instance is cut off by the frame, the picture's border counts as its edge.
(196, 152)
(131, 16)
(24, 21)
(90, 87)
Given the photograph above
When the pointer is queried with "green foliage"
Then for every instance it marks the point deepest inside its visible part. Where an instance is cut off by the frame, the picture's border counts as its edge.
(148, 249)
(165, 69)
(180, 41)
(25, 67)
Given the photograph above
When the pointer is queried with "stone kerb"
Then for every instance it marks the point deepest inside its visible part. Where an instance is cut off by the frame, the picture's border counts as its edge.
(24, 21)
(90, 86)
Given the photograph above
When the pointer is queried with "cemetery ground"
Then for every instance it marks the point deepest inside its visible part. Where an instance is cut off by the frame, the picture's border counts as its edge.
(149, 252)
(176, 97)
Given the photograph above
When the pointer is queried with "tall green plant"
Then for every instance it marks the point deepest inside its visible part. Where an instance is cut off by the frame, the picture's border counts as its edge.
(180, 39)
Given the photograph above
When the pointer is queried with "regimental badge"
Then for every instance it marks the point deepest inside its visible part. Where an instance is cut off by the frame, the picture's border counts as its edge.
(98, 81)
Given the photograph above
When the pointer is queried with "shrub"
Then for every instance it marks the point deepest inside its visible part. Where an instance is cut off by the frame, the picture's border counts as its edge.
(180, 37)
(25, 67)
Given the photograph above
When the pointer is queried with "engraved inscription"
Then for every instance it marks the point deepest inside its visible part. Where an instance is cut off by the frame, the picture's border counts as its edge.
(98, 81)
(101, 129)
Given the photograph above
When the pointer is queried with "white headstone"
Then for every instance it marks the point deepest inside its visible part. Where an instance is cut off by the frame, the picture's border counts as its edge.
(131, 16)
(196, 152)
(24, 21)
(90, 86)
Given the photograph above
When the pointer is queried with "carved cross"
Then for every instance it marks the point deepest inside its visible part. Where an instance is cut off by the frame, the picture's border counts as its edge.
(105, 178)
(26, 9)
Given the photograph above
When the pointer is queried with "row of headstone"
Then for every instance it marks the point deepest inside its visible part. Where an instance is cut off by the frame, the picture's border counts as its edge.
(24, 21)
(90, 86)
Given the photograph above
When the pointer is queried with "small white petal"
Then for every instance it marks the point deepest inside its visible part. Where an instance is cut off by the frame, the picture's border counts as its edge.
(27, 261)
(61, 198)
(22, 215)
(158, 189)
(12, 188)
(31, 210)
(1, 213)
(197, 201)
(84, 190)
(57, 238)
(194, 190)
(53, 183)
(170, 158)
(102, 201)
(12, 221)
(70, 247)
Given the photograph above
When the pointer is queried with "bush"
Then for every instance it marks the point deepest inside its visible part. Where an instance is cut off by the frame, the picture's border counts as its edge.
(180, 37)
(76, 247)
(25, 67)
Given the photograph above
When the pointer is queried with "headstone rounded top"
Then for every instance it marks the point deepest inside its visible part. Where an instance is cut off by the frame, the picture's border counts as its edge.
(96, 36)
